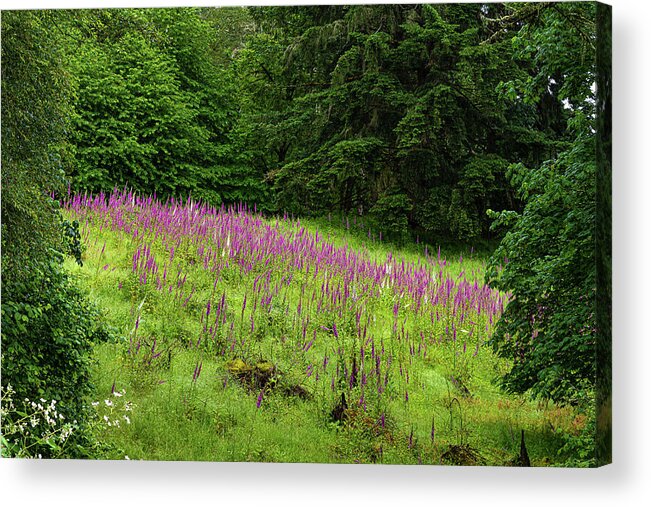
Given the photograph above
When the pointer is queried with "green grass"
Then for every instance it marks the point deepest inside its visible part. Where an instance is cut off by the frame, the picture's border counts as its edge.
(216, 418)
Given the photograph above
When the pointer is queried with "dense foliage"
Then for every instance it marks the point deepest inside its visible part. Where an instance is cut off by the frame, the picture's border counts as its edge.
(35, 114)
(549, 326)
(398, 109)
(151, 104)
(548, 258)
(47, 325)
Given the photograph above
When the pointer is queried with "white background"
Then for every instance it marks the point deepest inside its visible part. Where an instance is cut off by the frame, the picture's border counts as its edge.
(626, 482)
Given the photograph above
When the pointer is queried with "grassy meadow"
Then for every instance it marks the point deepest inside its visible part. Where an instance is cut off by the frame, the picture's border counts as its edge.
(237, 337)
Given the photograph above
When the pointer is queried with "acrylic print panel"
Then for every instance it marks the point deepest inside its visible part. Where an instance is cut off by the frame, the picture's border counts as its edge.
(328, 234)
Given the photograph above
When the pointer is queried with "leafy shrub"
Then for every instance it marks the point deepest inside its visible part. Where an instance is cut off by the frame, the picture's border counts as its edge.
(48, 328)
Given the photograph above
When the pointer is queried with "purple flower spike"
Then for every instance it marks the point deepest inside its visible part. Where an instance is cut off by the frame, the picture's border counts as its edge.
(197, 371)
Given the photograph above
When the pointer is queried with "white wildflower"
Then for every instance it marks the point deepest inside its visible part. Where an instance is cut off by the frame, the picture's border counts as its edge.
(67, 431)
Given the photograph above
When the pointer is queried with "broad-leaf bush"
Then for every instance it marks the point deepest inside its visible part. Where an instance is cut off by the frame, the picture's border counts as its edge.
(48, 329)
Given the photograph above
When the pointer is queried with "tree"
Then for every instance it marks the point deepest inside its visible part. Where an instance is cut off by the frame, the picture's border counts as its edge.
(35, 111)
(355, 106)
(155, 104)
(47, 324)
(547, 258)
